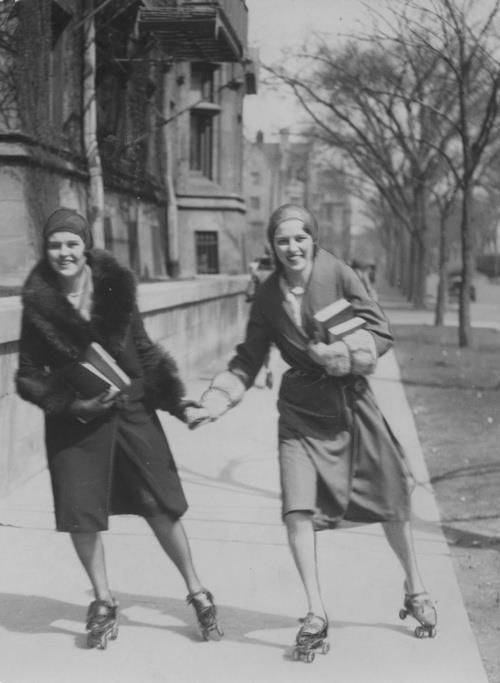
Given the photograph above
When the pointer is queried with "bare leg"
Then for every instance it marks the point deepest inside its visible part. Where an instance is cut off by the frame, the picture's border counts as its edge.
(90, 550)
(400, 538)
(302, 541)
(172, 538)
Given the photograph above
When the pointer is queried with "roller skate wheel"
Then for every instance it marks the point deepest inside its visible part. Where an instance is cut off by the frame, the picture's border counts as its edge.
(432, 632)
(114, 632)
(403, 614)
(325, 648)
(309, 657)
(420, 631)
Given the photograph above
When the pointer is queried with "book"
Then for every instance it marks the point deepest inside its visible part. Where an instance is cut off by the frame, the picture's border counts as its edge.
(339, 331)
(102, 361)
(334, 315)
(95, 373)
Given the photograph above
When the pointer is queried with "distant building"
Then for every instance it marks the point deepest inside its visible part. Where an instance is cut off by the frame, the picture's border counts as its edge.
(169, 85)
(329, 201)
(276, 173)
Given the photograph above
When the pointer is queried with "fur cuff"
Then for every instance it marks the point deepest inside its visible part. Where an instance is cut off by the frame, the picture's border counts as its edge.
(230, 384)
(362, 351)
(225, 390)
(46, 391)
(333, 357)
(163, 387)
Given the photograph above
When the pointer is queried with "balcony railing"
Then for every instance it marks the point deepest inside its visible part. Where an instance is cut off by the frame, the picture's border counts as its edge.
(191, 30)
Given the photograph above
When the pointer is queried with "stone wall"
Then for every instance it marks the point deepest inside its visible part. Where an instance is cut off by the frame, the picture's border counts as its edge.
(199, 321)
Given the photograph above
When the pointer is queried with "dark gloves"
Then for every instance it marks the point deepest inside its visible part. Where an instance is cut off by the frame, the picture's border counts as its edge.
(189, 411)
(88, 409)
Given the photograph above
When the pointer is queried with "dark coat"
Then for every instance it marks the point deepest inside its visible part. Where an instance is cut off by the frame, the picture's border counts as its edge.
(84, 459)
(334, 421)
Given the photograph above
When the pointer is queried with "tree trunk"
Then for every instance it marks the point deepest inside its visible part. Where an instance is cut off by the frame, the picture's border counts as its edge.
(96, 186)
(420, 247)
(464, 321)
(442, 290)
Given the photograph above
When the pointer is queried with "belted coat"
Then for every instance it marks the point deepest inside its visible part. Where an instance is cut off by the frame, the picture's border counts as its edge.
(92, 465)
(334, 422)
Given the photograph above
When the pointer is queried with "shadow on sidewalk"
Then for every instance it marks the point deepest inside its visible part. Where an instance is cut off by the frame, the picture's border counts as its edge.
(32, 614)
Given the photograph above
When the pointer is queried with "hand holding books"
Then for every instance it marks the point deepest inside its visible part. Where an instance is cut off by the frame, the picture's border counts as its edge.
(335, 321)
(342, 345)
(98, 382)
(87, 409)
(333, 357)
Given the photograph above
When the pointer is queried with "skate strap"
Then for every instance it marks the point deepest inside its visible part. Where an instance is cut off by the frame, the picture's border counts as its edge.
(313, 624)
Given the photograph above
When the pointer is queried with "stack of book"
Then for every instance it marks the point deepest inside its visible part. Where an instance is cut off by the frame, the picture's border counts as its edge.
(337, 320)
(96, 373)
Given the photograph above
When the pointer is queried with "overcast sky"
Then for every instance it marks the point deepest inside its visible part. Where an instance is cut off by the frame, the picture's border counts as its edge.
(278, 24)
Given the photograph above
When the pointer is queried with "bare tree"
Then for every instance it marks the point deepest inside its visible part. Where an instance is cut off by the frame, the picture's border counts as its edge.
(375, 104)
(465, 46)
(412, 104)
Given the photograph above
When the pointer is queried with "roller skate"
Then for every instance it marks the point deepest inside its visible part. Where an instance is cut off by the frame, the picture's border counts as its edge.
(312, 636)
(101, 623)
(420, 607)
(206, 613)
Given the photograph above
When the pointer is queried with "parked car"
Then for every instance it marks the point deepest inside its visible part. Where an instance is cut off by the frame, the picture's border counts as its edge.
(455, 286)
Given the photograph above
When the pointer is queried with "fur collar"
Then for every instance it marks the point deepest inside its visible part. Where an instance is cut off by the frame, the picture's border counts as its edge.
(48, 310)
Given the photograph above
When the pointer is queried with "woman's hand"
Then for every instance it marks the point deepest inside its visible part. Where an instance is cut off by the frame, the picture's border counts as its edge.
(87, 409)
(335, 357)
(197, 416)
(192, 413)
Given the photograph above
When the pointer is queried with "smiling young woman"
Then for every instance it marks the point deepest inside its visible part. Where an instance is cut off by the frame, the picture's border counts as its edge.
(107, 454)
(339, 461)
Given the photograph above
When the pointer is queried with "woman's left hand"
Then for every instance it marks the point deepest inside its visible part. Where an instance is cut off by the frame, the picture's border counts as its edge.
(335, 357)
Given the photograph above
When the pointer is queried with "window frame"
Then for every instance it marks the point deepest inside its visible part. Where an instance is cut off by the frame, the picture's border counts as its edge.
(206, 244)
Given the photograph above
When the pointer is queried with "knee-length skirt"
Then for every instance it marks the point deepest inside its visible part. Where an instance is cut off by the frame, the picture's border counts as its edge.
(119, 464)
(338, 456)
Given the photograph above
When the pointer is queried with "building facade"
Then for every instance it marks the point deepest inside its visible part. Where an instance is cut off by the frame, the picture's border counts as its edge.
(131, 113)
(279, 172)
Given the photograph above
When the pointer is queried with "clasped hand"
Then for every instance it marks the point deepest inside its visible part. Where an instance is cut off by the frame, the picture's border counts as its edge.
(212, 405)
(87, 409)
(334, 357)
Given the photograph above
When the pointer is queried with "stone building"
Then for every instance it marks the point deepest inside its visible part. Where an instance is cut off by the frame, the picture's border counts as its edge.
(279, 172)
(166, 82)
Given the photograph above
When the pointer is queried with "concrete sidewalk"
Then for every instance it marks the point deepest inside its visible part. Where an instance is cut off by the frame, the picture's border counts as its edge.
(230, 474)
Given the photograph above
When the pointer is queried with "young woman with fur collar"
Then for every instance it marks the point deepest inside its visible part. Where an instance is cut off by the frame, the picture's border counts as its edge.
(106, 455)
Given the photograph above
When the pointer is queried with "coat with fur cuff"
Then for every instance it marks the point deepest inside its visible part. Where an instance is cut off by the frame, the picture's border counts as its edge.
(87, 462)
(54, 335)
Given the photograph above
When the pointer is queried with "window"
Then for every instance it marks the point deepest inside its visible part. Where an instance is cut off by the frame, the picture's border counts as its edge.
(59, 20)
(201, 137)
(202, 115)
(207, 252)
(202, 83)
(255, 202)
